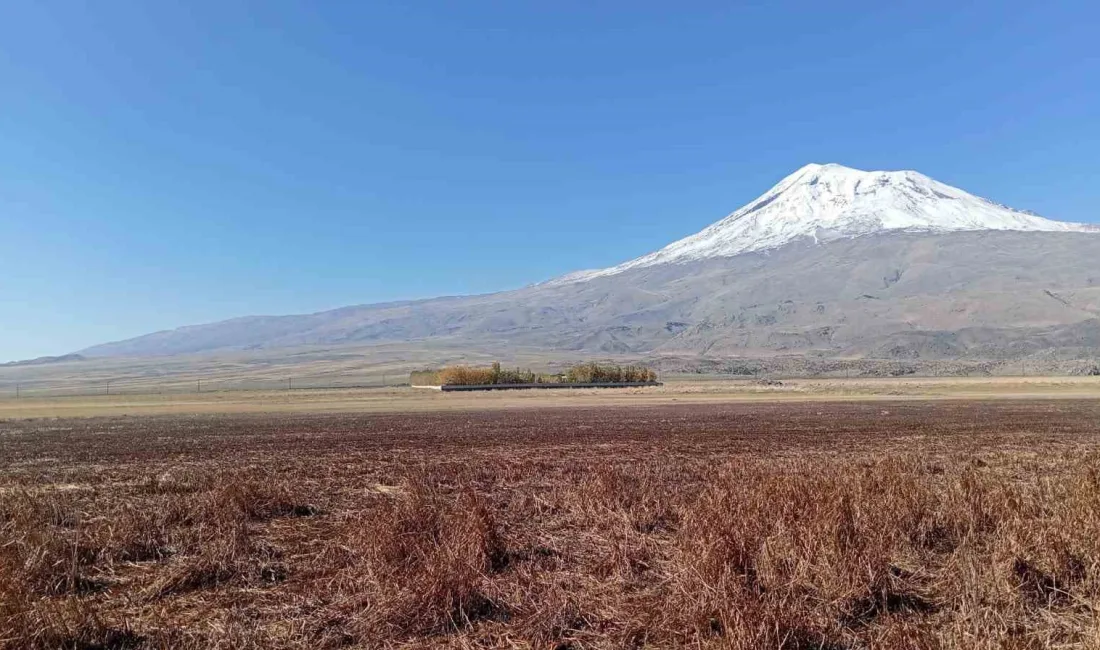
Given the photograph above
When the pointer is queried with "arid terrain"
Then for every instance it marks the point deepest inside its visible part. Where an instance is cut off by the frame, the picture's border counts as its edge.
(756, 524)
(682, 390)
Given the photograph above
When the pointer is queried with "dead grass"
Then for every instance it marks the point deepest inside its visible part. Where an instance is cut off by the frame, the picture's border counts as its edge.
(822, 526)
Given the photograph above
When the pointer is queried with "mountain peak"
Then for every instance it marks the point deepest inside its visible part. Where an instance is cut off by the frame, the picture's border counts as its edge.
(813, 167)
(830, 201)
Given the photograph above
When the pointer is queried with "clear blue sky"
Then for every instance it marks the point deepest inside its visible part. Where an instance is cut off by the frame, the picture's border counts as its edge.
(170, 163)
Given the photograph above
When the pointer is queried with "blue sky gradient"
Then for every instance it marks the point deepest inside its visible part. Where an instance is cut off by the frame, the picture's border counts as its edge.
(164, 164)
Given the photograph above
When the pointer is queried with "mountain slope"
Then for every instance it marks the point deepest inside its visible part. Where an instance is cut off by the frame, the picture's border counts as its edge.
(831, 261)
(850, 296)
(825, 202)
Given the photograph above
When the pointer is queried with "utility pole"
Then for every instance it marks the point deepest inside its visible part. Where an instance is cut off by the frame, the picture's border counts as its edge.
(198, 385)
(107, 390)
(289, 383)
(16, 391)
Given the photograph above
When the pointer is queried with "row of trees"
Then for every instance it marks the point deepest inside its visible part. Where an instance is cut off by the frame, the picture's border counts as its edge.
(585, 373)
(594, 373)
(470, 376)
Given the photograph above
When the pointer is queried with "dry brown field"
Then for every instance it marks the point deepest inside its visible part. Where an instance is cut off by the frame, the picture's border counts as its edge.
(788, 525)
(682, 390)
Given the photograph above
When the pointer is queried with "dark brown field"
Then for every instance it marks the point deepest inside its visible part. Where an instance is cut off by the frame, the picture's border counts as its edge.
(819, 525)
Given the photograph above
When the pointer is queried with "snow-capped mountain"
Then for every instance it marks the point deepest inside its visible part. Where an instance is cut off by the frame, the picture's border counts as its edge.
(826, 202)
(877, 264)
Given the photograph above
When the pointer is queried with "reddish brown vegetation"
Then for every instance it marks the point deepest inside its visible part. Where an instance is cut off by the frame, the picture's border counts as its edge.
(585, 373)
(911, 525)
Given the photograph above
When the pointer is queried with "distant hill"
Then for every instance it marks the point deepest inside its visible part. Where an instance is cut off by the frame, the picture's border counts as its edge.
(831, 261)
(41, 361)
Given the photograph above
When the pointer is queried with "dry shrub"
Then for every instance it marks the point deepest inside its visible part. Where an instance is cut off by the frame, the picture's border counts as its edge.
(495, 375)
(594, 373)
(516, 376)
(639, 374)
(465, 376)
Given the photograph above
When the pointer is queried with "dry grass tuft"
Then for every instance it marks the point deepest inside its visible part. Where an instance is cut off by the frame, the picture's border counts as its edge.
(421, 566)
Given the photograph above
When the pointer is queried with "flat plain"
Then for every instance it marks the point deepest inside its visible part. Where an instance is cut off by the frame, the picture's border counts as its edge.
(590, 523)
(681, 390)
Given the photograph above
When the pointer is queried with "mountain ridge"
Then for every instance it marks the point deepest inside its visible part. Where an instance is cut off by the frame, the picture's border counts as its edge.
(901, 255)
